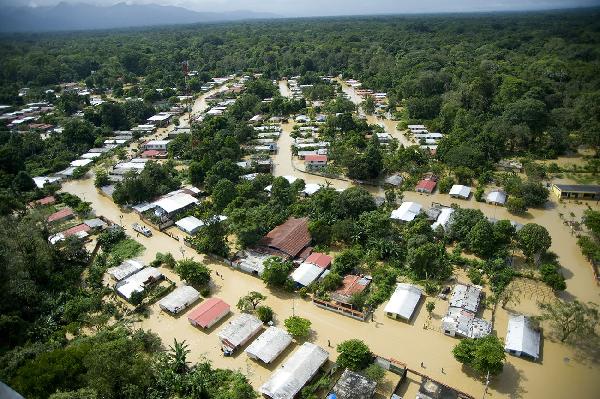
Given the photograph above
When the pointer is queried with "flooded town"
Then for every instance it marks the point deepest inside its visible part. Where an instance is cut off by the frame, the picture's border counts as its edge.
(303, 231)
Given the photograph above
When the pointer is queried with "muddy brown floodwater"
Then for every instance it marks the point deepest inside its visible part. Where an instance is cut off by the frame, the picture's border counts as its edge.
(562, 372)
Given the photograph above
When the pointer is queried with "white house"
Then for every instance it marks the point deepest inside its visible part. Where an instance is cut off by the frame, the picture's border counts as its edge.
(522, 338)
(179, 299)
(269, 345)
(406, 212)
(403, 302)
(239, 331)
(160, 145)
(460, 191)
(306, 273)
(125, 269)
(138, 281)
(172, 204)
(443, 219)
(496, 197)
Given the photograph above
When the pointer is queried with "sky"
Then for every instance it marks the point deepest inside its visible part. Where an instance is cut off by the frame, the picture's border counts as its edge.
(293, 8)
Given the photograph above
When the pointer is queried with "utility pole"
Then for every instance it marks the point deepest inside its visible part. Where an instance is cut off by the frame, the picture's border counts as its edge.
(487, 383)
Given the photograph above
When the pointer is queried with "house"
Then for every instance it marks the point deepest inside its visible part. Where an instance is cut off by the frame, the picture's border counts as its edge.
(426, 186)
(395, 180)
(403, 302)
(306, 274)
(179, 299)
(269, 345)
(296, 372)
(189, 224)
(61, 216)
(496, 197)
(208, 313)
(467, 297)
(352, 385)
(522, 338)
(41, 181)
(460, 191)
(239, 331)
(154, 154)
(171, 204)
(138, 282)
(160, 145)
(251, 262)
(444, 218)
(460, 318)
(406, 212)
(351, 285)
(315, 161)
(576, 191)
(319, 259)
(383, 137)
(311, 188)
(125, 269)
(160, 119)
(49, 200)
(78, 163)
(80, 231)
(288, 239)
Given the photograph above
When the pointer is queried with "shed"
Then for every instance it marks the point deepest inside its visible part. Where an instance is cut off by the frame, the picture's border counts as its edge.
(179, 299)
(406, 212)
(403, 302)
(460, 191)
(269, 345)
(138, 281)
(496, 197)
(522, 338)
(189, 224)
(125, 269)
(208, 313)
(239, 331)
(306, 274)
(352, 385)
(297, 371)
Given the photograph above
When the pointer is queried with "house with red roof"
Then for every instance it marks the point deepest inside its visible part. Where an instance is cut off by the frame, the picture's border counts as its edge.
(154, 154)
(426, 186)
(49, 200)
(319, 259)
(351, 285)
(208, 313)
(62, 215)
(315, 161)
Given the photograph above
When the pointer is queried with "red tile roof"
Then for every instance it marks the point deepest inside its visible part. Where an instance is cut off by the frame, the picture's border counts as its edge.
(426, 185)
(315, 158)
(76, 229)
(352, 285)
(153, 153)
(290, 237)
(208, 312)
(43, 201)
(319, 259)
(62, 214)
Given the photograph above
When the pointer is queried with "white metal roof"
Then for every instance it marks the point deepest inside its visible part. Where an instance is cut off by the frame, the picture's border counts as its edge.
(175, 202)
(179, 299)
(189, 224)
(137, 282)
(240, 329)
(458, 190)
(269, 345)
(407, 211)
(40, 181)
(404, 300)
(443, 218)
(497, 196)
(81, 162)
(91, 155)
(160, 117)
(311, 188)
(522, 337)
(125, 269)
(466, 297)
(306, 273)
(301, 366)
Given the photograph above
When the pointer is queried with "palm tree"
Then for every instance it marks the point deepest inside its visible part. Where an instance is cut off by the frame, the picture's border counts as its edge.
(177, 357)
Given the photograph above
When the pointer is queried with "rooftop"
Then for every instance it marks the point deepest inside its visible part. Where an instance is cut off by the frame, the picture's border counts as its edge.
(352, 385)
(290, 237)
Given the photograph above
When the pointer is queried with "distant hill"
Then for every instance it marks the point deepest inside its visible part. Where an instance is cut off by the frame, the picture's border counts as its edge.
(66, 17)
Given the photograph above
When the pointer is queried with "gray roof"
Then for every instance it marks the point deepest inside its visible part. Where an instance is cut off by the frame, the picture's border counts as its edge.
(179, 299)
(466, 297)
(522, 337)
(581, 188)
(352, 385)
(269, 345)
(240, 330)
(404, 300)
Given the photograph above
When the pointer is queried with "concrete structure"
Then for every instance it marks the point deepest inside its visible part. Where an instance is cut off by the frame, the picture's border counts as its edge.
(160, 145)
(352, 385)
(179, 299)
(576, 191)
(315, 161)
(269, 345)
(403, 302)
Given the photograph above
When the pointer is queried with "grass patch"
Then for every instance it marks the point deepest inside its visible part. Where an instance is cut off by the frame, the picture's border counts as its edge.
(127, 249)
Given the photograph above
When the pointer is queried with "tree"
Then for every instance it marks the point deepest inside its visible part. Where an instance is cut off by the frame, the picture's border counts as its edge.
(223, 193)
(177, 357)
(194, 273)
(374, 372)
(591, 219)
(552, 276)
(533, 240)
(276, 271)
(481, 239)
(369, 105)
(430, 306)
(297, 326)
(23, 182)
(346, 261)
(571, 320)
(482, 355)
(250, 301)
(516, 205)
(102, 178)
(264, 313)
(354, 354)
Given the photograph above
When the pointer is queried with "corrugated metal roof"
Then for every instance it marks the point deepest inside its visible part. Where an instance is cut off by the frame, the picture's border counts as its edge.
(269, 345)
(208, 312)
(240, 330)
(522, 337)
(179, 299)
(290, 237)
(404, 300)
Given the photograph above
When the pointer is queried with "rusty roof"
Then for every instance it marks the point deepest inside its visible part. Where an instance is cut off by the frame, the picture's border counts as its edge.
(290, 237)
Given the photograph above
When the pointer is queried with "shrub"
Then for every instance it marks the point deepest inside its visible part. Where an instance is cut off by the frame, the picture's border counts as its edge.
(264, 313)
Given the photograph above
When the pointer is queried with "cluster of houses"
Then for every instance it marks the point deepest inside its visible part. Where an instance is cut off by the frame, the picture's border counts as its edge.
(428, 140)
(167, 207)
(266, 136)
(218, 81)
(295, 88)
(308, 145)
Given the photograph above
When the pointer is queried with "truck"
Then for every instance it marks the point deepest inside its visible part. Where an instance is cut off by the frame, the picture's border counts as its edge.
(141, 229)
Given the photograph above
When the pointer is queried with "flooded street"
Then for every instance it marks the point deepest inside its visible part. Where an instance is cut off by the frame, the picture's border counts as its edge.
(406, 342)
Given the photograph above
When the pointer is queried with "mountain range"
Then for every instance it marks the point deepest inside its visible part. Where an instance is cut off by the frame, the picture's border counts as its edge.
(69, 17)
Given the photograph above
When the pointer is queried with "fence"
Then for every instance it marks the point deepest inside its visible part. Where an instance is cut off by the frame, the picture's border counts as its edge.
(355, 314)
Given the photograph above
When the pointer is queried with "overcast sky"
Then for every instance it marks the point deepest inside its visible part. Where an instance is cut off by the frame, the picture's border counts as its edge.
(342, 7)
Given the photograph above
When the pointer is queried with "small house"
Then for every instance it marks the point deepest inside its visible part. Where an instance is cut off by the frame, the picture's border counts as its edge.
(522, 338)
(406, 212)
(394, 180)
(306, 274)
(239, 331)
(189, 224)
(208, 313)
(460, 191)
(444, 218)
(269, 345)
(576, 191)
(315, 161)
(289, 239)
(403, 302)
(160, 145)
(496, 197)
(351, 285)
(426, 186)
(352, 385)
(125, 269)
(61, 216)
(319, 259)
(179, 299)
(138, 282)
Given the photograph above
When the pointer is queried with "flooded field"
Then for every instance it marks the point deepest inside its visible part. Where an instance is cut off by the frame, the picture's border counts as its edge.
(406, 342)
